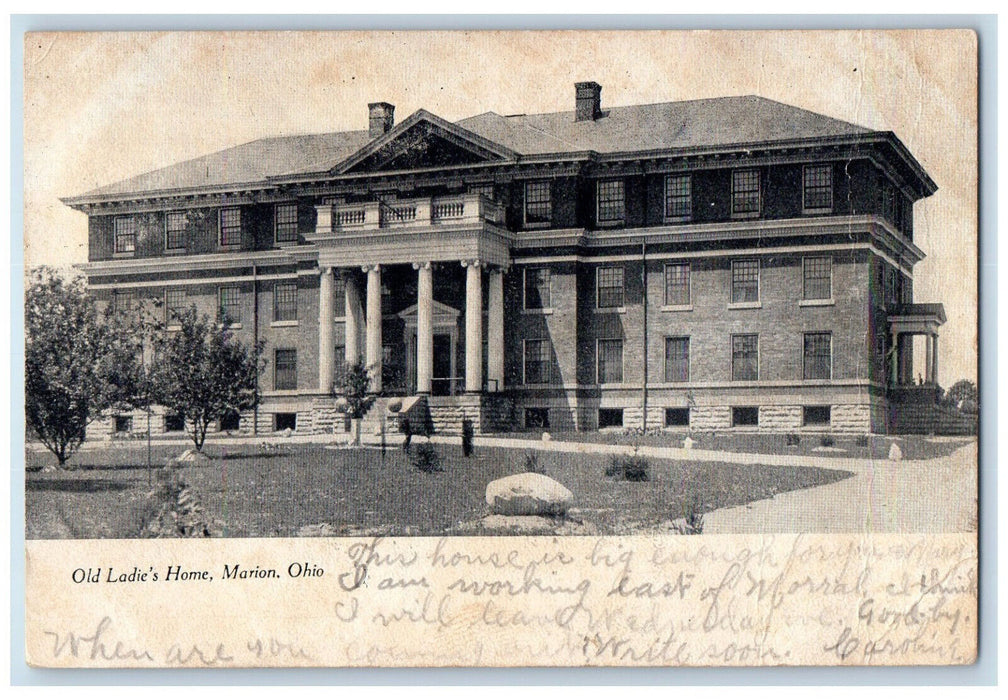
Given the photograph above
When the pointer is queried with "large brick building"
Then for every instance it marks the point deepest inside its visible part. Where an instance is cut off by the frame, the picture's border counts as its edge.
(715, 263)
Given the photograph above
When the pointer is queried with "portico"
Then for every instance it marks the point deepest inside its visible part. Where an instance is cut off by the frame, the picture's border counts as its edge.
(431, 246)
(905, 322)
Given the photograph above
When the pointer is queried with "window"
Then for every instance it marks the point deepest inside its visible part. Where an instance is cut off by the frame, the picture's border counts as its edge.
(609, 281)
(745, 281)
(285, 372)
(230, 304)
(676, 417)
(483, 189)
(538, 360)
(745, 415)
(817, 192)
(611, 201)
(230, 421)
(123, 301)
(174, 423)
(745, 192)
(537, 418)
(537, 288)
(175, 304)
(286, 223)
(815, 415)
(285, 301)
(817, 278)
(230, 226)
(125, 234)
(284, 421)
(678, 197)
(538, 204)
(818, 356)
(610, 361)
(123, 424)
(175, 230)
(745, 357)
(677, 359)
(610, 418)
(677, 284)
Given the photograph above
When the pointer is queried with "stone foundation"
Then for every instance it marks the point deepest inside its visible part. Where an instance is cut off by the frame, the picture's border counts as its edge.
(780, 417)
(851, 418)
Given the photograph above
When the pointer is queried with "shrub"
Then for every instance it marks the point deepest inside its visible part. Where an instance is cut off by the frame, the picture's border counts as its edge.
(406, 429)
(692, 516)
(173, 509)
(467, 437)
(532, 463)
(395, 406)
(827, 441)
(861, 441)
(426, 459)
(628, 468)
(792, 440)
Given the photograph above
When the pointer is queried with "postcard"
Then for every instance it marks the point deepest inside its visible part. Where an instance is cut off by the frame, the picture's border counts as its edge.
(501, 348)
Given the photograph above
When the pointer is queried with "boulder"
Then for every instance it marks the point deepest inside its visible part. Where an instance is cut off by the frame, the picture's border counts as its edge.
(528, 494)
(687, 443)
(546, 437)
(517, 525)
(191, 456)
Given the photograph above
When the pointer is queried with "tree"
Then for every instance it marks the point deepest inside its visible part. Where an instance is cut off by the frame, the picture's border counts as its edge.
(963, 390)
(353, 384)
(201, 372)
(77, 362)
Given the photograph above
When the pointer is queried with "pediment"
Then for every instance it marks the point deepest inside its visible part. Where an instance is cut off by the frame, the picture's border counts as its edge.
(424, 141)
(438, 311)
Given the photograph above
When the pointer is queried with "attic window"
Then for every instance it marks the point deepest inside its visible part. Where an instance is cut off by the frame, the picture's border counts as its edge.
(125, 234)
(611, 201)
(230, 226)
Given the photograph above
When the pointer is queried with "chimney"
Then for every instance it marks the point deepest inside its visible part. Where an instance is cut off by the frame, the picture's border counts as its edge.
(587, 101)
(379, 118)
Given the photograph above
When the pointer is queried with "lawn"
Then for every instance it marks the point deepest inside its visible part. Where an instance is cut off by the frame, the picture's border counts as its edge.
(858, 447)
(257, 494)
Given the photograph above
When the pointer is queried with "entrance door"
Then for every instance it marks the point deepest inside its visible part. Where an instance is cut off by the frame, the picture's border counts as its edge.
(441, 382)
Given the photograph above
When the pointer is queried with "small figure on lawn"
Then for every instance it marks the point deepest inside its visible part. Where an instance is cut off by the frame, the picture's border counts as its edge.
(407, 430)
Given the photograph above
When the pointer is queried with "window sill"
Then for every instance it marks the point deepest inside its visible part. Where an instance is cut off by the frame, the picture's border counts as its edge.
(124, 254)
(234, 326)
(677, 219)
(538, 385)
(615, 223)
(746, 305)
(817, 212)
(174, 327)
(283, 324)
(745, 215)
(283, 392)
(174, 251)
(611, 310)
(533, 225)
(545, 311)
(677, 307)
(613, 385)
(816, 302)
(230, 246)
(287, 244)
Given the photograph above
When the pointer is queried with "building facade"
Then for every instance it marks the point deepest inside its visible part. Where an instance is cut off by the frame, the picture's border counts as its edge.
(709, 264)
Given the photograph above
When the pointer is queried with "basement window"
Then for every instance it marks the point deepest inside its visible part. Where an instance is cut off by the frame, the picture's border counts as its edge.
(815, 415)
(610, 418)
(284, 421)
(537, 418)
(676, 417)
(742, 416)
(174, 423)
(123, 424)
(230, 421)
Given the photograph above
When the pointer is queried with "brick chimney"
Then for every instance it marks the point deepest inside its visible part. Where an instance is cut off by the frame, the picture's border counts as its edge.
(380, 118)
(587, 101)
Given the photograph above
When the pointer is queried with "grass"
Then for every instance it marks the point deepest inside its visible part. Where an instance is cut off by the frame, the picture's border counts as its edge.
(855, 446)
(257, 494)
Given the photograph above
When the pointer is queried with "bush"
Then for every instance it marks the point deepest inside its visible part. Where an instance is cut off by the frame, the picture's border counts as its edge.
(792, 440)
(395, 406)
(173, 509)
(692, 516)
(426, 459)
(467, 437)
(827, 441)
(628, 468)
(407, 430)
(532, 463)
(969, 406)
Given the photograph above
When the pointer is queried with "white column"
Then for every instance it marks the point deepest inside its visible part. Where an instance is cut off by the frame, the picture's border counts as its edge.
(373, 349)
(425, 327)
(474, 326)
(929, 359)
(895, 359)
(934, 359)
(353, 314)
(327, 352)
(495, 330)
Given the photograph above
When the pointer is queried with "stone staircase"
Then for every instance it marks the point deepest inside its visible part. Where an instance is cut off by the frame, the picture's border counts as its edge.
(920, 418)
(412, 407)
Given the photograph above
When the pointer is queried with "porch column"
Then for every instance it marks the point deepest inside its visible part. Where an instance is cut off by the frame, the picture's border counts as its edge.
(895, 359)
(934, 357)
(327, 350)
(425, 327)
(495, 330)
(929, 359)
(373, 349)
(474, 326)
(353, 313)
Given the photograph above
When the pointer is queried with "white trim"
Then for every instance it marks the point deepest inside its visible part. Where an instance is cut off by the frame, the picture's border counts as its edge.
(675, 308)
(190, 282)
(283, 324)
(745, 305)
(780, 250)
(817, 302)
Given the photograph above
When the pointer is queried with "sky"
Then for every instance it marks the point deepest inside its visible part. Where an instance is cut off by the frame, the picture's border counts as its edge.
(100, 107)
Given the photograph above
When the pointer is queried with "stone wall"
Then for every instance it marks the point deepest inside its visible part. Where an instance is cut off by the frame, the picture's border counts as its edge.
(780, 417)
(710, 417)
